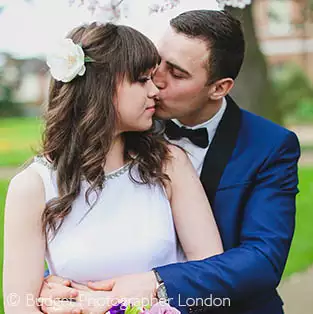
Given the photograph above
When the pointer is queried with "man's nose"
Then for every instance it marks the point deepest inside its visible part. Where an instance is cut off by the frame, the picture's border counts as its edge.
(159, 79)
(153, 91)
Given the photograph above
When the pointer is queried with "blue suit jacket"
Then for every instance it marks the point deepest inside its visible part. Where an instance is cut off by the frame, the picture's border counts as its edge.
(250, 177)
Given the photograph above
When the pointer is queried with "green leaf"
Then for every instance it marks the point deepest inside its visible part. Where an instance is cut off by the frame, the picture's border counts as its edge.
(88, 59)
(132, 310)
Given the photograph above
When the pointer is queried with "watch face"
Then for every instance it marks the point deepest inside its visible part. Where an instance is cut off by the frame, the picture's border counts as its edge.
(162, 292)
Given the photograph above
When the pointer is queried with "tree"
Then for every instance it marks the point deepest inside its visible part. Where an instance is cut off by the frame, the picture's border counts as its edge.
(253, 89)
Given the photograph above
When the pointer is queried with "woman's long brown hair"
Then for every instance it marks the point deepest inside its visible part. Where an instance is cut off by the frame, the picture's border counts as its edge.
(81, 119)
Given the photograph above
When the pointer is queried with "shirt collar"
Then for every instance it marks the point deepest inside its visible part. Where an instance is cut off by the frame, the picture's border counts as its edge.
(211, 124)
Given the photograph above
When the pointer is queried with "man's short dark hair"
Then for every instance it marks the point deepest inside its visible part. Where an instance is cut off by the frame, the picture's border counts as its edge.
(223, 35)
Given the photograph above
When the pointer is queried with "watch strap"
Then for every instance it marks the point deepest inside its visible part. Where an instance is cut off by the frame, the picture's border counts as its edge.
(160, 289)
(157, 276)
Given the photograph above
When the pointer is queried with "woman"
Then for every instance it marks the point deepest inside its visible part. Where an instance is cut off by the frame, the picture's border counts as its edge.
(101, 199)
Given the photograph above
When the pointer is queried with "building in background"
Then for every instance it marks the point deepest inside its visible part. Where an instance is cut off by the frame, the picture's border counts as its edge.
(285, 31)
(24, 82)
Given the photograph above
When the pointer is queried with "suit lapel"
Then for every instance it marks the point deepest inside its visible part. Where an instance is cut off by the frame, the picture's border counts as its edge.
(221, 149)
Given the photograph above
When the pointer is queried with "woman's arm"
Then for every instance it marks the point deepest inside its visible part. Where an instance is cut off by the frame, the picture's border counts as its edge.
(24, 243)
(193, 217)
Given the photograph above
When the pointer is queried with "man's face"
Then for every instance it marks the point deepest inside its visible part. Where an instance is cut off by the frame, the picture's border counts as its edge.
(182, 76)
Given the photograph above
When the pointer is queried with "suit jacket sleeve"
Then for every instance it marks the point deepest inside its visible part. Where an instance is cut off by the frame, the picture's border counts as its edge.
(257, 264)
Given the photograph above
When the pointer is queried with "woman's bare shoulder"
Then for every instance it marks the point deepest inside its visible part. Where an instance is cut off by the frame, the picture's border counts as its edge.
(178, 155)
(28, 186)
(178, 159)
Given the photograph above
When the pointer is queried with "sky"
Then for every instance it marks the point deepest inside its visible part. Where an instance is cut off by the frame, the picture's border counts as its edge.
(29, 29)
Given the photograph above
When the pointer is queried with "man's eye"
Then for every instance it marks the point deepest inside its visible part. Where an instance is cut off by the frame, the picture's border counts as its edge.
(176, 75)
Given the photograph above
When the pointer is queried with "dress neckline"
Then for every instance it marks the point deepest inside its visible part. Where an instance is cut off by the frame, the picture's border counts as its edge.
(111, 175)
(118, 172)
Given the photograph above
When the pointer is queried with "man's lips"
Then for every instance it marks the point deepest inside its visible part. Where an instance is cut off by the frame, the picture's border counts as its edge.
(158, 102)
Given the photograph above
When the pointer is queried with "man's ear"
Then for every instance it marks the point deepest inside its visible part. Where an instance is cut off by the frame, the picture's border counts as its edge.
(220, 88)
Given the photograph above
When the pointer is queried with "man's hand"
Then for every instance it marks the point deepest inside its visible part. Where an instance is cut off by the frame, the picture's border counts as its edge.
(84, 300)
(68, 307)
(141, 287)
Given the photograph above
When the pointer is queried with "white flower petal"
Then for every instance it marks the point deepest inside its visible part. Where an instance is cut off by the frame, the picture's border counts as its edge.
(82, 71)
(69, 77)
(67, 61)
(57, 75)
(80, 51)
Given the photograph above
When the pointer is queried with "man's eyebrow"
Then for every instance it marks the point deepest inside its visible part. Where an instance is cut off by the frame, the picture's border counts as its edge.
(175, 66)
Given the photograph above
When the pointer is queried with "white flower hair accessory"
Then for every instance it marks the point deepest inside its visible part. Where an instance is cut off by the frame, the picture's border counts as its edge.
(241, 4)
(67, 61)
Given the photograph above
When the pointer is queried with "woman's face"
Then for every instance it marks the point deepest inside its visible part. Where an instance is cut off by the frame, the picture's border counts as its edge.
(135, 103)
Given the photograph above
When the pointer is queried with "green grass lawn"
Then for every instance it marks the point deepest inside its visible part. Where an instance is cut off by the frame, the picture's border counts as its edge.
(301, 253)
(18, 138)
(3, 191)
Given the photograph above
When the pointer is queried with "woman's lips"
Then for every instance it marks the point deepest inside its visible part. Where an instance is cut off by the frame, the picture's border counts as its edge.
(151, 108)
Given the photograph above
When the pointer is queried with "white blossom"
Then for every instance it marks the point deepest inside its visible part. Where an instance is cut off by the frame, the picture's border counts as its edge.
(241, 4)
(66, 61)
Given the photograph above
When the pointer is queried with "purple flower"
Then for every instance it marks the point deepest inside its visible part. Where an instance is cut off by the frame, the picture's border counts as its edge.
(118, 309)
(162, 308)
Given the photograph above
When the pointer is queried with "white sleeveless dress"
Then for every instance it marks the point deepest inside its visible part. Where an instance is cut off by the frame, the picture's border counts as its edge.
(129, 230)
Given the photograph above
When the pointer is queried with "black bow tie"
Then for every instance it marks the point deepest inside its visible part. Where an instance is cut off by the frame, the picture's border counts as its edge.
(198, 137)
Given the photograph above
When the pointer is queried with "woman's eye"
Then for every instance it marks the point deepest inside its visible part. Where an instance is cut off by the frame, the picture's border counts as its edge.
(144, 79)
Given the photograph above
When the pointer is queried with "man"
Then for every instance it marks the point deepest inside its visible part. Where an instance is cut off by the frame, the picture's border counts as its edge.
(248, 167)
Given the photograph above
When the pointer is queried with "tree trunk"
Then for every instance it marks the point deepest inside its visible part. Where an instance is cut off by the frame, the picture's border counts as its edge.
(253, 90)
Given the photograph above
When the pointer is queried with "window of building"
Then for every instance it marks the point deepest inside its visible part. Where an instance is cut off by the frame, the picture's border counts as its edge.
(279, 20)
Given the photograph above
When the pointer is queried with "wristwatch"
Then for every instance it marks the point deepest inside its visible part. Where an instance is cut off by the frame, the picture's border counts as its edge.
(161, 292)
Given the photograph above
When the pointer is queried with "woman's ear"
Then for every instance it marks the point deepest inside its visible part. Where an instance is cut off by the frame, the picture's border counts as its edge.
(220, 88)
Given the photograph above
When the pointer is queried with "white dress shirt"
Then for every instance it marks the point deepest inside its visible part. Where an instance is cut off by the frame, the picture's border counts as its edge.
(196, 153)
